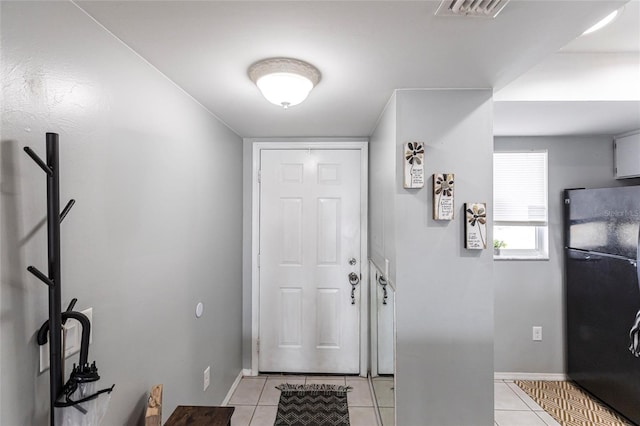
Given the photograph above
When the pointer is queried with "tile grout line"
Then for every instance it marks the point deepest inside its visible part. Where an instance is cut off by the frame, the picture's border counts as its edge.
(253, 413)
(519, 397)
(525, 402)
(543, 420)
(374, 400)
(255, 407)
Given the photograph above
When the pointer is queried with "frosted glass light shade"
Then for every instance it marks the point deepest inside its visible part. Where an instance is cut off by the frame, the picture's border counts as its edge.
(284, 89)
(284, 81)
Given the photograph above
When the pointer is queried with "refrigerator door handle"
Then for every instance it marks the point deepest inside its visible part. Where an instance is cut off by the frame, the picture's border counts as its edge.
(592, 256)
(589, 258)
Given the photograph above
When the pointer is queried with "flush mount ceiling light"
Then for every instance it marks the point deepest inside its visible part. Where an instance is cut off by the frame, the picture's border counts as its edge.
(284, 81)
(604, 22)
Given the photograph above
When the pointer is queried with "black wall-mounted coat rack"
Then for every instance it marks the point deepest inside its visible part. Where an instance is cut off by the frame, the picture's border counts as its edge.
(53, 280)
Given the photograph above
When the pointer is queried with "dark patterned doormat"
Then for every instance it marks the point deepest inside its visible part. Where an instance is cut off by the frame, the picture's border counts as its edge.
(312, 405)
(569, 405)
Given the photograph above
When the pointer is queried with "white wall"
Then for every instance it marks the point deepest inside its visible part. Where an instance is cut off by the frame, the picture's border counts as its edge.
(529, 293)
(156, 227)
(444, 296)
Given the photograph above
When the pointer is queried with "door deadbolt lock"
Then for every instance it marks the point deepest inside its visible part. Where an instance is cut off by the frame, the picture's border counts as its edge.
(352, 261)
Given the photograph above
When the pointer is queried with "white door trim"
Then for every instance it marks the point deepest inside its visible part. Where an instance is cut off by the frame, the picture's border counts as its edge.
(304, 143)
(373, 318)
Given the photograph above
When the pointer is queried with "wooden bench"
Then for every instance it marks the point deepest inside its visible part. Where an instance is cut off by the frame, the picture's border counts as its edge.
(185, 415)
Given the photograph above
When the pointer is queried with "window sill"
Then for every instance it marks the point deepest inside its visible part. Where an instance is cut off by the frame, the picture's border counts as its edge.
(502, 257)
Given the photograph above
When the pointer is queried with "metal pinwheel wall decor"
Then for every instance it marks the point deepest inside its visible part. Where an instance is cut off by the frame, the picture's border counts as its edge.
(475, 226)
(413, 165)
(443, 206)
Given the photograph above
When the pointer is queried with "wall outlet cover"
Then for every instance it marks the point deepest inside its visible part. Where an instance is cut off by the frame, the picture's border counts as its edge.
(537, 334)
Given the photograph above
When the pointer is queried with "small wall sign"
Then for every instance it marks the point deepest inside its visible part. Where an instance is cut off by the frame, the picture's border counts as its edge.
(475, 226)
(443, 207)
(414, 165)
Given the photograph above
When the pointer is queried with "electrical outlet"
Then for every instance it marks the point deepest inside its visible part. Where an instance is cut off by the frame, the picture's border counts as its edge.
(207, 378)
(537, 333)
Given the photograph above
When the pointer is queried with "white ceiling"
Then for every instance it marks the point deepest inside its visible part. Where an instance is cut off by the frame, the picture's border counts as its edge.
(591, 86)
(364, 50)
(622, 35)
(560, 118)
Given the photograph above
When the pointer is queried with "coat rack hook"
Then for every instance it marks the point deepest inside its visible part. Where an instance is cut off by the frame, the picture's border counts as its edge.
(38, 161)
(66, 209)
(41, 276)
(71, 304)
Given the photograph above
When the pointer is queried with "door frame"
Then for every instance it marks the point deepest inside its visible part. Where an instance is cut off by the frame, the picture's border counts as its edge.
(360, 144)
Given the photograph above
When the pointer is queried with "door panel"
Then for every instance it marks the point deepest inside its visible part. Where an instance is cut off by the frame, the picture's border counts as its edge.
(290, 317)
(328, 318)
(309, 229)
(328, 231)
(291, 213)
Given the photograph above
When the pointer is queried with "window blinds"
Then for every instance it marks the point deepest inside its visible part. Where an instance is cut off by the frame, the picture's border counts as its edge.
(520, 188)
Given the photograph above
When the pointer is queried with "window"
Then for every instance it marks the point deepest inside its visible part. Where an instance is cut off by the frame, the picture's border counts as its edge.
(520, 205)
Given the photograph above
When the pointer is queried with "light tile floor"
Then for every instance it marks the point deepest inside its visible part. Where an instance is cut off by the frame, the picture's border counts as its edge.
(383, 388)
(256, 401)
(513, 407)
(256, 398)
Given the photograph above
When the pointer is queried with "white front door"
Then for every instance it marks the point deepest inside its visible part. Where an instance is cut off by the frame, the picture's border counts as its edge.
(309, 244)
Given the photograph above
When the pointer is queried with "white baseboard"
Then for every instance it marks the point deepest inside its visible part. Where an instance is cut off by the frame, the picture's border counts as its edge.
(235, 384)
(530, 376)
(247, 372)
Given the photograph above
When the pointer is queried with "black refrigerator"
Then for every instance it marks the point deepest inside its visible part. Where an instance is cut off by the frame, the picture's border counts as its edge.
(602, 231)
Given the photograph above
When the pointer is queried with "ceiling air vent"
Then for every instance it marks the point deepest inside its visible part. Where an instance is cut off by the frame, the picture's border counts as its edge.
(471, 8)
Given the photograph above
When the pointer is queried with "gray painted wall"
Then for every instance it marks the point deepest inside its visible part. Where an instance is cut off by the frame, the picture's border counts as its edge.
(444, 296)
(156, 227)
(247, 261)
(529, 293)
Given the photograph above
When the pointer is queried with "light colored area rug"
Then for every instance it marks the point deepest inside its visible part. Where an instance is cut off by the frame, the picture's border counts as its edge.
(569, 405)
